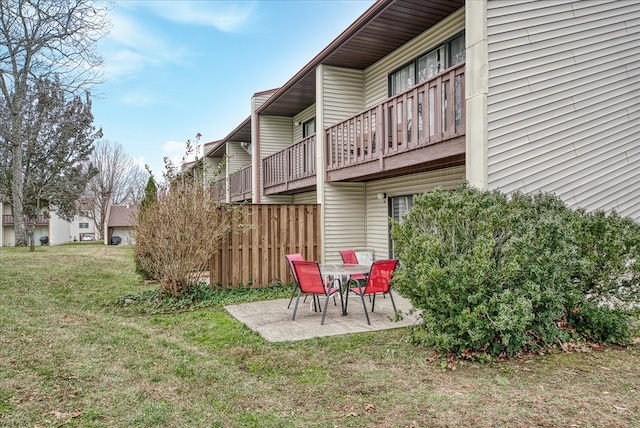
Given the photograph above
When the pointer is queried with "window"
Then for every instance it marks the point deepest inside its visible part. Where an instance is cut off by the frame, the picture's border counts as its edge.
(421, 69)
(428, 65)
(398, 207)
(309, 128)
(84, 225)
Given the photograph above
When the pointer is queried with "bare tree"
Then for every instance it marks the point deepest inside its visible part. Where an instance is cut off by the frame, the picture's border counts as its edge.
(119, 180)
(52, 40)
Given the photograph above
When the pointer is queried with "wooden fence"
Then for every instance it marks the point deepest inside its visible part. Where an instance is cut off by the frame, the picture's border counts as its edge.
(256, 258)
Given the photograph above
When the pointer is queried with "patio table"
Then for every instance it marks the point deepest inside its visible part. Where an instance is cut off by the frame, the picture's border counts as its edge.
(343, 272)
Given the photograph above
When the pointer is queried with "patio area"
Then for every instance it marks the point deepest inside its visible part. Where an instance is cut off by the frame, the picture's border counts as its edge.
(272, 320)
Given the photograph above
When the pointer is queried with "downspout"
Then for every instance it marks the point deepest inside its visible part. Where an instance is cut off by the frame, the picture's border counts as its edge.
(320, 157)
(255, 154)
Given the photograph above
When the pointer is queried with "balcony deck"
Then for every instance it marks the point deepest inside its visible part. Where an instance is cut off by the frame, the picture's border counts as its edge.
(353, 152)
(240, 185)
(422, 129)
(41, 220)
(291, 169)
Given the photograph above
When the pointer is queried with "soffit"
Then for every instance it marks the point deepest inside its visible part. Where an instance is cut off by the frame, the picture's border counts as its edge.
(383, 28)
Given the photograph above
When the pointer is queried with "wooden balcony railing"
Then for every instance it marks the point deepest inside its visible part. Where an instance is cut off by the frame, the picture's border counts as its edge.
(292, 168)
(219, 190)
(41, 220)
(429, 113)
(240, 184)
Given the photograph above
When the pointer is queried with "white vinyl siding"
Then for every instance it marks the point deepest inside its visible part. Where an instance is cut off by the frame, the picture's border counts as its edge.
(343, 203)
(211, 169)
(563, 109)
(376, 76)
(300, 118)
(342, 89)
(305, 198)
(237, 157)
(377, 224)
(359, 219)
(276, 134)
(345, 225)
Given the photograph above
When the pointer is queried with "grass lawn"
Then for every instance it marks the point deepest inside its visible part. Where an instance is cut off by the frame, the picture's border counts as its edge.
(70, 357)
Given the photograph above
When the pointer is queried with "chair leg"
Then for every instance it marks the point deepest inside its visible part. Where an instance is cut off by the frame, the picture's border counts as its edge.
(326, 306)
(393, 303)
(291, 299)
(366, 313)
(295, 309)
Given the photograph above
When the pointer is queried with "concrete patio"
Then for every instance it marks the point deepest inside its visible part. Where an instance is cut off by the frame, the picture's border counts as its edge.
(272, 320)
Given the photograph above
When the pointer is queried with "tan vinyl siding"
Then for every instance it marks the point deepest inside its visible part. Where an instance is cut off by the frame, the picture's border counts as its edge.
(305, 198)
(563, 109)
(211, 167)
(276, 133)
(377, 224)
(376, 76)
(302, 117)
(342, 89)
(345, 209)
(237, 157)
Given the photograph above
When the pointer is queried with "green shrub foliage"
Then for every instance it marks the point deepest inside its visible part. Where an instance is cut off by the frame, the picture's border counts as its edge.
(499, 274)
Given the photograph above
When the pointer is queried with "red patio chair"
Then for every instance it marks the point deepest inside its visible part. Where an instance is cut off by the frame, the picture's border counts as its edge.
(290, 259)
(378, 281)
(310, 282)
(350, 257)
(298, 257)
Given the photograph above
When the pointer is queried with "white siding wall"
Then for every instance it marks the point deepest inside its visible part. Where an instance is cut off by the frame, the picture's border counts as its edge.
(211, 172)
(302, 117)
(305, 198)
(276, 133)
(59, 230)
(345, 218)
(237, 157)
(377, 211)
(343, 210)
(563, 104)
(376, 76)
(343, 91)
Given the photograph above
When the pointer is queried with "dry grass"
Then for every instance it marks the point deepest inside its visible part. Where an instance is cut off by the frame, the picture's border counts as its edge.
(70, 358)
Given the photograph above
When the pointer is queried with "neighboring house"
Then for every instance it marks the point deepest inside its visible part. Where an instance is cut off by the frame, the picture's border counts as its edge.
(57, 230)
(83, 227)
(119, 221)
(516, 96)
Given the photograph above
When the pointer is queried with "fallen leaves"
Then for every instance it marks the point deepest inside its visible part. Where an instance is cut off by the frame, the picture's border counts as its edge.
(58, 414)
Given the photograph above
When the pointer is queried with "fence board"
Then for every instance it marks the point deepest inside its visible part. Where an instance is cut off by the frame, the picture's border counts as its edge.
(256, 257)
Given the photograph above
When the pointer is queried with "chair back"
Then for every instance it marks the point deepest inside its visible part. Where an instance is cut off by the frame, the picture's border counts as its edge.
(290, 259)
(309, 277)
(379, 279)
(349, 257)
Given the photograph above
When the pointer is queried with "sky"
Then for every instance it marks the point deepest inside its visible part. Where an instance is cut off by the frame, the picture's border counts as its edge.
(176, 68)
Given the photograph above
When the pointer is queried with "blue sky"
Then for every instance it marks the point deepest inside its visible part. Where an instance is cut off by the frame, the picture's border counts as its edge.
(178, 68)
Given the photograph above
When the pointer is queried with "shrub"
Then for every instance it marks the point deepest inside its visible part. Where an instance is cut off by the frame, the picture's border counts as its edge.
(178, 232)
(499, 274)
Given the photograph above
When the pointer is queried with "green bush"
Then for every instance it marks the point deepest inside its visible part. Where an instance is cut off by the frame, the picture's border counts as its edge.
(500, 274)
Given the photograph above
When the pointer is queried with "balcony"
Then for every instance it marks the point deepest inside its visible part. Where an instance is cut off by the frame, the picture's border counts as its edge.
(353, 148)
(41, 220)
(240, 185)
(292, 169)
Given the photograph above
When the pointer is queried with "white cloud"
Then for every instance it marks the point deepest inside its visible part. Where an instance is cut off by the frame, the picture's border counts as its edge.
(224, 16)
(131, 46)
